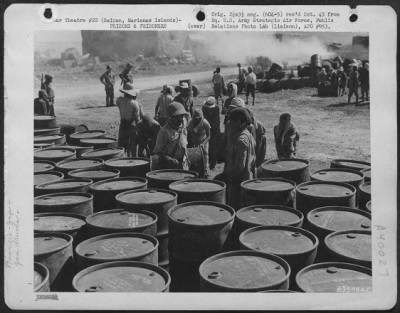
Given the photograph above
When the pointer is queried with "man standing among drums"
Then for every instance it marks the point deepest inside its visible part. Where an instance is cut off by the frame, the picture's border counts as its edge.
(131, 113)
(126, 75)
(161, 114)
(147, 131)
(50, 95)
(108, 80)
(353, 84)
(240, 162)
(219, 85)
(211, 114)
(185, 98)
(170, 149)
(251, 80)
(286, 137)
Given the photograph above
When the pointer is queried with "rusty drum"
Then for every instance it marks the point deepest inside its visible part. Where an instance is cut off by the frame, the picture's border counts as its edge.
(117, 247)
(197, 189)
(296, 170)
(163, 178)
(104, 191)
(122, 276)
(69, 202)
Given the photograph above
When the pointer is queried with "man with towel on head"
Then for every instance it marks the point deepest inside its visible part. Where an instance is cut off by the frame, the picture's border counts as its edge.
(286, 137)
(131, 113)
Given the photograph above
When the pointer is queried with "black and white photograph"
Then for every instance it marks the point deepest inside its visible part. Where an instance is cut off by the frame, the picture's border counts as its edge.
(187, 161)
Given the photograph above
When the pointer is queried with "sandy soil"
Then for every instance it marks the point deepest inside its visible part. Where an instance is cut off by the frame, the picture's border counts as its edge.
(329, 128)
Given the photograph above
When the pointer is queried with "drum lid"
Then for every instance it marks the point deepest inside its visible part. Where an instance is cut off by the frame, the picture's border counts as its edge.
(120, 219)
(48, 243)
(57, 223)
(170, 175)
(42, 166)
(200, 214)
(43, 178)
(337, 175)
(197, 186)
(123, 183)
(62, 199)
(351, 244)
(325, 190)
(284, 165)
(79, 163)
(126, 162)
(268, 215)
(267, 185)
(151, 196)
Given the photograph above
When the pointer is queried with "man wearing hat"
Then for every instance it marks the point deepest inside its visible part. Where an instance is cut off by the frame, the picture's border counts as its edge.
(240, 162)
(161, 114)
(126, 75)
(251, 80)
(184, 97)
(50, 95)
(131, 113)
(170, 149)
(211, 113)
(108, 80)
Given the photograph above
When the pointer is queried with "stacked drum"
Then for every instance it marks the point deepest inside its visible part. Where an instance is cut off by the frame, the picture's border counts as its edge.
(105, 222)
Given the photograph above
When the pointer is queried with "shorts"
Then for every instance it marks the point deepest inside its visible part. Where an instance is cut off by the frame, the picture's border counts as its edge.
(250, 89)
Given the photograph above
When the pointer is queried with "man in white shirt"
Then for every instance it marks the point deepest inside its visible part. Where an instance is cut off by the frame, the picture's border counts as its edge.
(250, 85)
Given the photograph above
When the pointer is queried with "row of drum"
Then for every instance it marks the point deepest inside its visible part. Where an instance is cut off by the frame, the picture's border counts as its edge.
(211, 248)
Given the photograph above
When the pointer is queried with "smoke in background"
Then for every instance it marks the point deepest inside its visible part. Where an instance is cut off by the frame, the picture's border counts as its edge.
(233, 47)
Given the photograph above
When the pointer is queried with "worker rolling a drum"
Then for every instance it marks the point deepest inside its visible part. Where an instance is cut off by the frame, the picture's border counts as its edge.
(161, 114)
(108, 80)
(286, 137)
(131, 113)
(170, 149)
(147, 132)
(240, 162)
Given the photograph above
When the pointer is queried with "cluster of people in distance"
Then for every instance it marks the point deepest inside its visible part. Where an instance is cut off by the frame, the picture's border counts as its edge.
(177, 126)
(354, 79)
(44, 103)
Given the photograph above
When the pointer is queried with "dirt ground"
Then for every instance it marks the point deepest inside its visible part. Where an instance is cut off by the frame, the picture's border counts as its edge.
(328, 127)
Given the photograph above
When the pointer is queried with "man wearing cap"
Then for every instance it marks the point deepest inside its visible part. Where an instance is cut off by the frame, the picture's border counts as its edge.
(240, 162)
(131, 113)
(184, 97)
(211, 114)
(147, 132)
(126, 75)
(170, 149)
(40, 105)
(286, 137)
(251, 80)
(50, 95)
(108, 80)
(161, 114)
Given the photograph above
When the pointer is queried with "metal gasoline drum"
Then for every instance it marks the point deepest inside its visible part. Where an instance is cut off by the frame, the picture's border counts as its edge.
(128, 167)
(339, 175)
(199, 190)
(40, 278)
(367, 174)
(47, 177)
(118, 221)
(316, 194)
(104, 153)
(79, 149)
(54, 154)
(296, 170)
(81, 163)
(44, 122)
(98, 143)
(243, 271)
(76, 138)
(278, 191)
(95, 174)
(54, 250)
(126, 246)
(350, 164)
(69, 202)
(334, 277)
(105, 191)
(50, 131)
(368, 206)
(364, 195)
(163, 178)
(43, 166)
(58, 139)
(58, 222)
(122, 276)
(351, 246)
(65, 185)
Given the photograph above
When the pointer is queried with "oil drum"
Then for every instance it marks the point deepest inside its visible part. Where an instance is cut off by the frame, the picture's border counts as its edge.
(104, 153)
(350, 246)
(68, 202)
(44, 122)
(76, 138)
(368, 206)
(43, 166)
(65, 185)
(163, 178)
(55, 139)
(339, 175)
(244, 271)
(47, 177)
(364, 195)
(79, 149)
(127, 246)
(197, 189)
(50, 131)
(196, 160)
(54, 250)
(121, 221)
(137, 167)
(273, 191)
(367, 174)
(54, 154)
(104, 191)
(122, 276)
(350, 164)
(95, 174)
(40, 278)
(268, 215)
(39, 146)
(163, 253)
(298, 247)
(296, 170)
(316, 194)
(158, 201)
(82, 163)
(334, 277)
(59, 222)
(99, 143)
